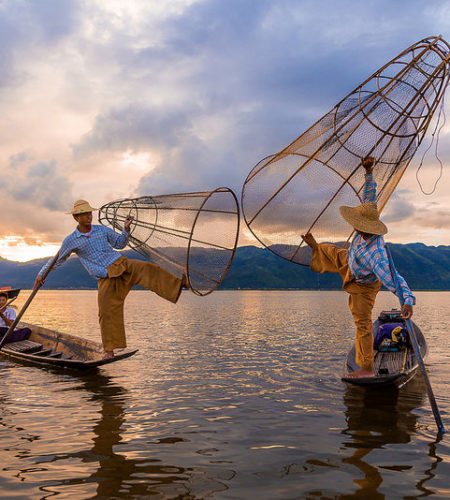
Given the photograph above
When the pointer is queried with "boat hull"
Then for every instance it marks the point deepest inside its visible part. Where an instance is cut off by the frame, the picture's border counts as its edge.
(51, 348)
(391, 368)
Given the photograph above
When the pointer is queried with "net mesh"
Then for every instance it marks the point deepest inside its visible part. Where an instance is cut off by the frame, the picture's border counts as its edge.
(301, 188)
(192, 233)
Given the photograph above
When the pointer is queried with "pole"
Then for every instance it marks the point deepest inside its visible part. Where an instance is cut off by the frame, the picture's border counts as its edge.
(412, 336)
(28, 302)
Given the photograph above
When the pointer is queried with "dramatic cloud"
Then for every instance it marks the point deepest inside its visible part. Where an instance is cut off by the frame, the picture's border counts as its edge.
(39, 183)
(115, 99)
(400, 207)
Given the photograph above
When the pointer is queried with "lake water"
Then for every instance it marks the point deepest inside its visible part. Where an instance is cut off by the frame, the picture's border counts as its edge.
(236, 395)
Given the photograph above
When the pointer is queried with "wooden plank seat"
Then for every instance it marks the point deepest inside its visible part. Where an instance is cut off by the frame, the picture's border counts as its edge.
(55, 354)
(27, 346)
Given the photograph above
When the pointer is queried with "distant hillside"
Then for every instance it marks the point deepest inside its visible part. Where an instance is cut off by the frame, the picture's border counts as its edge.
(424, 267)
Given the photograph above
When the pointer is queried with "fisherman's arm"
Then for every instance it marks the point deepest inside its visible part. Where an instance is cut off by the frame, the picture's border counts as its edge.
(8, 321)
(120, 241)
(370, 186)
(64, 253)
(382, 271)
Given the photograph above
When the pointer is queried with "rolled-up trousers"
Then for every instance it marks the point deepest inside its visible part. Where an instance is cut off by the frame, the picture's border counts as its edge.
(333, 259)
(123, 274)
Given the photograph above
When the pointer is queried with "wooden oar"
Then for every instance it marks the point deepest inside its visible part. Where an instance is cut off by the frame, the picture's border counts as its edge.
(412, 336)
(28, 302)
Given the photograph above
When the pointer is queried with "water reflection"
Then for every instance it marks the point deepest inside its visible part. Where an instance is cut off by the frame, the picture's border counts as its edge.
(379, 418)
(120, 476)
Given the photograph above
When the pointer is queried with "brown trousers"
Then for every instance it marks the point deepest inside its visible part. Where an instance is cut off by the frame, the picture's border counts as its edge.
(123, 274)
(330, 258)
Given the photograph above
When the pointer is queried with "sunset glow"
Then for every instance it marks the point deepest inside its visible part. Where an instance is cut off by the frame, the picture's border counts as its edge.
(102, 101)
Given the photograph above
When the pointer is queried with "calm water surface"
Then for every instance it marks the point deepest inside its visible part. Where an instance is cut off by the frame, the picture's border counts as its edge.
(236, 395)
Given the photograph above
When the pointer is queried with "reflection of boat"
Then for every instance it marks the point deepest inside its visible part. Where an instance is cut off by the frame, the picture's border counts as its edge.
(376, 419)
(138, 468)
(390, 367)
(45, 347)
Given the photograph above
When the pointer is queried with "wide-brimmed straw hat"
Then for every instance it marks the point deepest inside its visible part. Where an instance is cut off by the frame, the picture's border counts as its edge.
(9, 292)
(81, 207)
(364, 218)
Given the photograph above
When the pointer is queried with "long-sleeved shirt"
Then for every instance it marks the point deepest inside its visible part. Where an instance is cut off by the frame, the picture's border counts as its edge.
(10, 314)
(368, 259)
(94, 249)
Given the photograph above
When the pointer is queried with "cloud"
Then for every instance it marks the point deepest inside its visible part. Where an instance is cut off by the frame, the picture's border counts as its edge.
(399, 207)
(134, 128)
(222, 88)
(26, 27)
(197, 92)
(38, 183)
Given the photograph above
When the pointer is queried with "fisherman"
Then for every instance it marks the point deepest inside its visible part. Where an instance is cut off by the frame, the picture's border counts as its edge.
(116, 275)
(7, 314)
(7, 317)
(363, 268)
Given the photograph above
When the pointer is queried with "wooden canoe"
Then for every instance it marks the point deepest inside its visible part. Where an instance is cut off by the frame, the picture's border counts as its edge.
(46, 347)
(391, 368)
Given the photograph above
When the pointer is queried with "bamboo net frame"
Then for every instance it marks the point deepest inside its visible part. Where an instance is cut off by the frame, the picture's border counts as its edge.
(300, 188)
(186, 233)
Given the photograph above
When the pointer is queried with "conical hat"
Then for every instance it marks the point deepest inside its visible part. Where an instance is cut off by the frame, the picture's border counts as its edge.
(364, 218)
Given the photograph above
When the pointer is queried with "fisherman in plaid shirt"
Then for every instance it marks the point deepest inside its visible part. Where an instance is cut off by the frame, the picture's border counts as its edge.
(115, 273)
(363, 267)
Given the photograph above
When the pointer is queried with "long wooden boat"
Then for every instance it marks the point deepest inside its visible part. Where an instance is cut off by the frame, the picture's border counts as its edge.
(391, 368)
(45, 347)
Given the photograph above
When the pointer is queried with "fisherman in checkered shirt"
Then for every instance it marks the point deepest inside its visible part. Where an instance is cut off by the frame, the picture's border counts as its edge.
(116, 274)
(364, 267)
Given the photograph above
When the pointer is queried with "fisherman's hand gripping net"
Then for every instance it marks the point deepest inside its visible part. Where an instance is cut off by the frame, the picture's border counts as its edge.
(192, 233)
(301, 188)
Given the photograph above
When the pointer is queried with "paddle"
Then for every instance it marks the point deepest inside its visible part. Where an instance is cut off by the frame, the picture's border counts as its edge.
(28, 302)
(415, 344)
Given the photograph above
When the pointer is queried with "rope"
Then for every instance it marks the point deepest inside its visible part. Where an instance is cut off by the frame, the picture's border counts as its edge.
(441, 112)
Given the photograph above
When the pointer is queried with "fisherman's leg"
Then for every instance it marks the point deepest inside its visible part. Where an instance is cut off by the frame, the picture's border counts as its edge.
(20, 334)
(153, 278)
(111, 297)
(361, 304)
(330, 258)
(17, 335)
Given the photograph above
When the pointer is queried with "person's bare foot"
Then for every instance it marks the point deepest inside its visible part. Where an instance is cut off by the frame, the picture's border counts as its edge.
(108, 355)
(361, 373)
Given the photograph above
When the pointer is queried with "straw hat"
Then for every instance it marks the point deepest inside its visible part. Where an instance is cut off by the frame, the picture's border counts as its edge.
(81, 207)
(9, 292)
(364, 218)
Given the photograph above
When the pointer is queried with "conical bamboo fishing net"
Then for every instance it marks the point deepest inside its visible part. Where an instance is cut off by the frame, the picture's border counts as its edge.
(192, 233)
(301, 188)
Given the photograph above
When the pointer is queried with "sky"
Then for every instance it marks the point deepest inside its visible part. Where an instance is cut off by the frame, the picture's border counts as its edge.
(109, 99)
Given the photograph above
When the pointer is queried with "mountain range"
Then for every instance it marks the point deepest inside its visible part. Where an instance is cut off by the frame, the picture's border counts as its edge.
(424, 268)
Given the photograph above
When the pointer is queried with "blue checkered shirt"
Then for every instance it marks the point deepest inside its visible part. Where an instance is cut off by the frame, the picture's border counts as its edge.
(94, 249)
(368, 260)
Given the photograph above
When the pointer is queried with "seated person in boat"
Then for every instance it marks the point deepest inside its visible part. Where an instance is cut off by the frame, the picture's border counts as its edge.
(116, 275)
(7, 317)
(363, 268)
